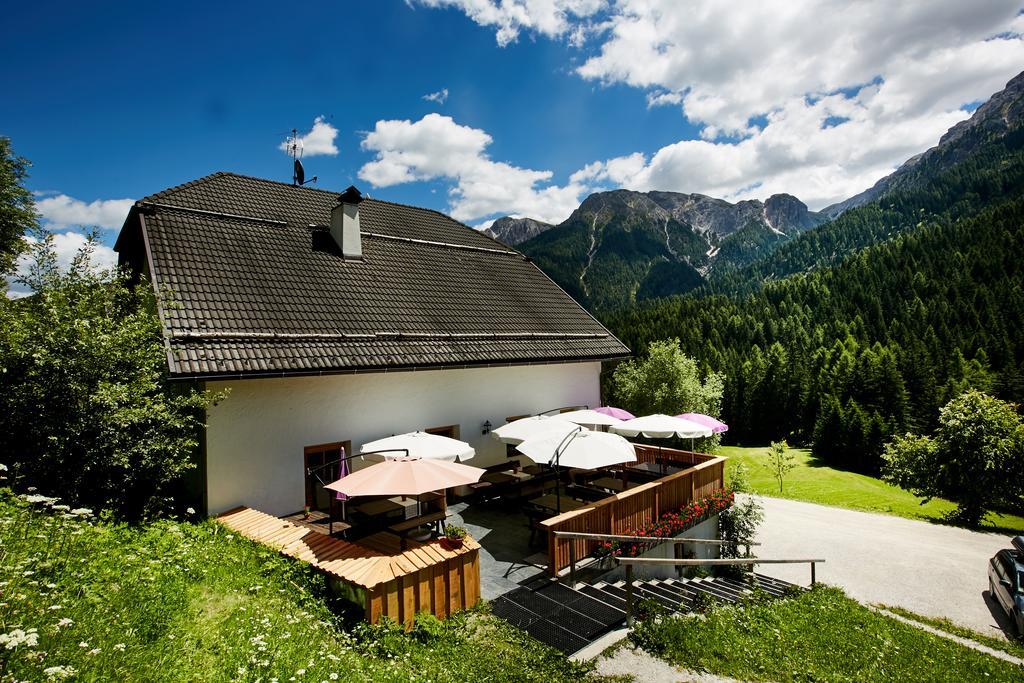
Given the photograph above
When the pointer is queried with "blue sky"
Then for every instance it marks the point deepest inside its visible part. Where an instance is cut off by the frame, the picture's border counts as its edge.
(548, 100)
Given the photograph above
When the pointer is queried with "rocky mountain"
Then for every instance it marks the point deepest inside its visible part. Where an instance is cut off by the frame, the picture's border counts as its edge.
(977, 163)
(513, 231)
(1002, 113)
(622, 246)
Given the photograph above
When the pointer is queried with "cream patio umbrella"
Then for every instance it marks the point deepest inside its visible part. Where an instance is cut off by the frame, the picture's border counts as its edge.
(580, 448)
(520, 430)
(659, 426)
(590, 418)
(420, 445)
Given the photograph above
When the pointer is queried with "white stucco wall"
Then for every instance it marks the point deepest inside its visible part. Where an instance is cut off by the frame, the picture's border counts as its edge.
(255, 437)
(708, 529)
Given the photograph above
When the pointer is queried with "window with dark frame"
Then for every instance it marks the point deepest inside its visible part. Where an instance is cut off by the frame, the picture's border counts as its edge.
(451, 431)
(317, 498)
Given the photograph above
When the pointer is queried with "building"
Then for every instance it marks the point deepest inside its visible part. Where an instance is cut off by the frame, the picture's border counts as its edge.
(331, 320)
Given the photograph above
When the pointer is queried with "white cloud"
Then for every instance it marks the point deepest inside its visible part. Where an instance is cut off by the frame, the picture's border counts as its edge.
(441, 96)
(65, 245)
(818, 98)
(319, 139)
(60, 211)
(548, 17)
(436, 147)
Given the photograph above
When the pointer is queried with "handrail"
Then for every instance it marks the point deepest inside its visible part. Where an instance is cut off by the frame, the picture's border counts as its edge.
(633, 539)
(628, 562)
(643, 539)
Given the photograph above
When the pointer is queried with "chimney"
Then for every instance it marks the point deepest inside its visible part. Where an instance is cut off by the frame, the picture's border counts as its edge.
(345, 224)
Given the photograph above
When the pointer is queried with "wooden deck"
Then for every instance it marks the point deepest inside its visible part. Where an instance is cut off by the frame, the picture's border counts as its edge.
(386, 580)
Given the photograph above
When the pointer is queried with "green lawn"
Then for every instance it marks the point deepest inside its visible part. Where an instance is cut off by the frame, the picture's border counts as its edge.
(82, 599)
(1014, 645)
(816, 482)
(820, 636)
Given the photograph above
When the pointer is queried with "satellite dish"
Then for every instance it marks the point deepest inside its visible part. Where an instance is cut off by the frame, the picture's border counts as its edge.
(299, 176)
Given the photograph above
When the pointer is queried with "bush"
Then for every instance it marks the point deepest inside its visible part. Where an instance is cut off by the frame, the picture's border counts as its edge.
(86, 408)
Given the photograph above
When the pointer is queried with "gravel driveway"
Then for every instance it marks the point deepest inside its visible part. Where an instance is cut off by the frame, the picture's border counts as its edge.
(934, 570)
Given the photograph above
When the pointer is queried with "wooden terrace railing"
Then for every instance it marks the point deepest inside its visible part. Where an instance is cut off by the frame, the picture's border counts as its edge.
(635, 507)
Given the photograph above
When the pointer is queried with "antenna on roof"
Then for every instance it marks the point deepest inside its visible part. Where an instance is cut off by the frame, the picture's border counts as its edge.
(294, 148)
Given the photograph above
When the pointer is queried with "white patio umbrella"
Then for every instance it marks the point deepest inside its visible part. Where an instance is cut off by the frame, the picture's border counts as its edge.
(520, 430)
(420, 445)
(590, 418)
(661, 427)
(582, 449)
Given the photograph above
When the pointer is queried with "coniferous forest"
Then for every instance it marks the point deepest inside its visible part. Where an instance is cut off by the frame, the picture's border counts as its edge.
(864, 327)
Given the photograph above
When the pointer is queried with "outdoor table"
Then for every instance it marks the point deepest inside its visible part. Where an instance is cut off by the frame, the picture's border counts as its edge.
(386, 505)
(610, 483)
(550, 501)
(653, 468)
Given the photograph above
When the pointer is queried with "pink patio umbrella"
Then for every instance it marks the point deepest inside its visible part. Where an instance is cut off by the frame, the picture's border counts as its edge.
(716, 426)
(615, 412)
(406, 477)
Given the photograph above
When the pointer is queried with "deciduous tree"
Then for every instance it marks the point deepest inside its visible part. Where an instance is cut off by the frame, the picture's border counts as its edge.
(975, 458)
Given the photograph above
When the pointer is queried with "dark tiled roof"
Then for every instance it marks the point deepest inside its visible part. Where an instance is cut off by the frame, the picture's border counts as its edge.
(273, 295)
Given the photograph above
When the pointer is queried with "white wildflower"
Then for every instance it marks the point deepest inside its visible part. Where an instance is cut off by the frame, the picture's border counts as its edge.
(190, 511)
(59, 673)
(82, 512)
(38, 498)
(3, 467)
(95, 651)
(62, 508)
(83, 644)
(64, 623)
(120, 647)
(334, 677)
(56, 607)
(28, 638)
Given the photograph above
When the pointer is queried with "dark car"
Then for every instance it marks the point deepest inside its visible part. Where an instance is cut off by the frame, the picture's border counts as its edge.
(1006, 581)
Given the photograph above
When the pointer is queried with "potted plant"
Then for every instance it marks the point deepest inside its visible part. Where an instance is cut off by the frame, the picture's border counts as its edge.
(453, 536)
(305, 512)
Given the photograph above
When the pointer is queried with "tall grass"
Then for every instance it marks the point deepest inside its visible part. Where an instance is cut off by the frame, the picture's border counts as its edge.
(85, 598)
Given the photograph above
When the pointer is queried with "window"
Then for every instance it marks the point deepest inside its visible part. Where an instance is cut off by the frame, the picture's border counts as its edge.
(451, 431)
(314, 458)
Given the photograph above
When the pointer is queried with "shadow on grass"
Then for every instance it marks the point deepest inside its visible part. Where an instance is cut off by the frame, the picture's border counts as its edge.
(953, 519)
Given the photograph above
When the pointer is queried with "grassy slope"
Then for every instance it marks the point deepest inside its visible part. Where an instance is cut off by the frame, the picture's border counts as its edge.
(175, 601)
(819, 636)
(815, 482)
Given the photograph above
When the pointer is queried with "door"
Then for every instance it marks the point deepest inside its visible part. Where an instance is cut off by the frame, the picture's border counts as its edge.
(320, 462)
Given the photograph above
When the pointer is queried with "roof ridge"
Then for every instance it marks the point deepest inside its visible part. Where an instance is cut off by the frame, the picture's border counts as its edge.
(276, 182)
(182, 186)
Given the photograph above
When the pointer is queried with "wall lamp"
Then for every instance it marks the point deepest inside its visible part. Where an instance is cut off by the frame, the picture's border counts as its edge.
(486, 428)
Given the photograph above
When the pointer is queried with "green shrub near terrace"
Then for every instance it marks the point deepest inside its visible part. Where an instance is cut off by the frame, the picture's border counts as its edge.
(822, 635)
(178, 601)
